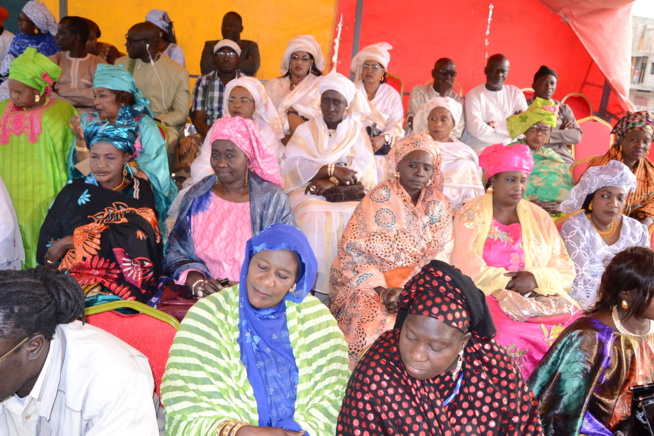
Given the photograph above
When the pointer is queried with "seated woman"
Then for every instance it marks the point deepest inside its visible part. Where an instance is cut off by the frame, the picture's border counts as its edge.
(582, 383)
(245, 97)
(634, 134)
(550, 180)
(69, 377)
(327, 152)
(168, 41)
(506, 243)
(37, 28)
(105, 51)
(118, 100)
(460, 164)
(244, 191)
(441, 371)
(593, 237)
(386, 116)
(399, 226)
(12, 254)
(103, 229)
(295, 95)
(277, 359)
(34, 140)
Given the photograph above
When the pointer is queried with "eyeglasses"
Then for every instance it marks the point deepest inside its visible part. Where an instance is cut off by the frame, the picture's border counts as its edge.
(10, 352)
(541, 129)
(300, 58)
(135, 41)
(242, 100)
(226, 54)
(450, 73)
(370, 67)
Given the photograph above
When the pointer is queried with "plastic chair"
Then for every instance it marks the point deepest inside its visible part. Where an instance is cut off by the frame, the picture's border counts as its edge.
(150, 331)
(528, 92)
(395, 82)
(579, 103)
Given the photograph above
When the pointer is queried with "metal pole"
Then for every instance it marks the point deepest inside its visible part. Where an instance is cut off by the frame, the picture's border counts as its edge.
(63, 8)
(357, 31)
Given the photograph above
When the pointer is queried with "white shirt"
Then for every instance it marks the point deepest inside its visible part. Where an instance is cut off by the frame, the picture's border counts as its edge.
(484, 106)
(92, 384)
(5, 42)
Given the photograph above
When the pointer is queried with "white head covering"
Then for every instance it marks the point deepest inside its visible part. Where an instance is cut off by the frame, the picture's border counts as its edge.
(614, 174)
(378, 52)
(264, 110)
(337, 82)
(161, 19)
(41, 16)
(306, 43)
(227, 43)
(420, 121)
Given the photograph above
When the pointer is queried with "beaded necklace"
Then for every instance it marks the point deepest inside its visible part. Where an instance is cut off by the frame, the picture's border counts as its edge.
(610, 232)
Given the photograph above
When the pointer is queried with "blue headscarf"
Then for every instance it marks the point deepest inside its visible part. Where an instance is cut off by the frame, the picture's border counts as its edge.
(121, 136)
(266, 350)
(116, 77)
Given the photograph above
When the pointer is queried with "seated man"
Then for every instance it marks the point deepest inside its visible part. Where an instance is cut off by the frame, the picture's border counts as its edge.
(77, 65)
(567, 131)
(59, 376)
(207, 107)
(231, 29)
(443, 73)
(162, 80)
(489, 104)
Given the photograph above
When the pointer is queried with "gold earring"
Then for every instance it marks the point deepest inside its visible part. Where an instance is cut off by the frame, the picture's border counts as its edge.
(125, 170)
(292, 289)
(397, 175)
(590, 206)
(247, 177)
(624, 305)
(37, 98)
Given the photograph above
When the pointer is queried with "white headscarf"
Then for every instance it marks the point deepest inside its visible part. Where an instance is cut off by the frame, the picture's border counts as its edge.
(378, 52)
(306, 43)
(358, 107)
(264, 110)
(227, 43)
(41, 16)
(614, 174)
(161, 19)
(420, 121)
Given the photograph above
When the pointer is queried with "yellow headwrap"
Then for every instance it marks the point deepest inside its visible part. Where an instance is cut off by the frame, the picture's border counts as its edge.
(539, 111)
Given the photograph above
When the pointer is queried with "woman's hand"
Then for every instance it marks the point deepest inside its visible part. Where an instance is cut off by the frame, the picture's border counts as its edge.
(345, 175)
(522, 282)
(318, 187)
(201, 286)
(389, 297)
(377, 142)
(251, 430)
(76, 127)
(57, 250)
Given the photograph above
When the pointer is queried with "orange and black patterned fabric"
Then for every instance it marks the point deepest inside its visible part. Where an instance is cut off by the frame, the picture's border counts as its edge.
(487, 397)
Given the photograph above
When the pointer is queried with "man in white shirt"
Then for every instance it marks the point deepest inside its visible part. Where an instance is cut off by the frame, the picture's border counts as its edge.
(59, 377)
(489, 104)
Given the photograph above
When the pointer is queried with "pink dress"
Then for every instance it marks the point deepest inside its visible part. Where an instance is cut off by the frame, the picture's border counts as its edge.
(526, 342)
(219, 234)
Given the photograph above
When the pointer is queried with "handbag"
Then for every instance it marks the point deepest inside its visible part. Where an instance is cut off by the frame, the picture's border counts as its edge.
(342, 193)
(536, 309)
(642, 410)
(176, 300)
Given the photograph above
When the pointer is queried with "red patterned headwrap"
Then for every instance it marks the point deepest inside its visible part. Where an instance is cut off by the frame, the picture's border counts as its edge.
(444, 293)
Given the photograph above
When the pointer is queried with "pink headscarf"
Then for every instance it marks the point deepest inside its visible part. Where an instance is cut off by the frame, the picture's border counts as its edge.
(499, 158)
(246, 136)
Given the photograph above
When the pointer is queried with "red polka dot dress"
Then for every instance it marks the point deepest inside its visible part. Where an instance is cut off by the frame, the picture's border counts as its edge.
(486, 397)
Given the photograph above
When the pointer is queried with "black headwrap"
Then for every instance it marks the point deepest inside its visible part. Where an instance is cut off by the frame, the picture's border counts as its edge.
(544, 71)
(444, 293)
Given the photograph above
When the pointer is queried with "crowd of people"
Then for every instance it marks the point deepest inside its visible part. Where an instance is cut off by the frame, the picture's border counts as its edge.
(349, 266)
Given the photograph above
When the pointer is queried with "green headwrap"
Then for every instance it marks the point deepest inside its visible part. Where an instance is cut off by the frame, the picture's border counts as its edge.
(35, 70)
(539, 111)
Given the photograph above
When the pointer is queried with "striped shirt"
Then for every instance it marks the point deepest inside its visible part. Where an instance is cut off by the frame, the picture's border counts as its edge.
(206, 384)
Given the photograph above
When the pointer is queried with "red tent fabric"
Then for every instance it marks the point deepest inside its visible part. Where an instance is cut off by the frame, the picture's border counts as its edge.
(592, 43)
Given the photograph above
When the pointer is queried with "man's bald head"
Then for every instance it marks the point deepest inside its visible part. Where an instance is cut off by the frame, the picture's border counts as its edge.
(443, 73)
(497, 68)
(143, 41)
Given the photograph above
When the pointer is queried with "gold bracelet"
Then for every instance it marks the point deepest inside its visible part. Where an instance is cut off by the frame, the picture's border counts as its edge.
(230, 428)
(193, 285)
(330, 170)
(81, 148)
